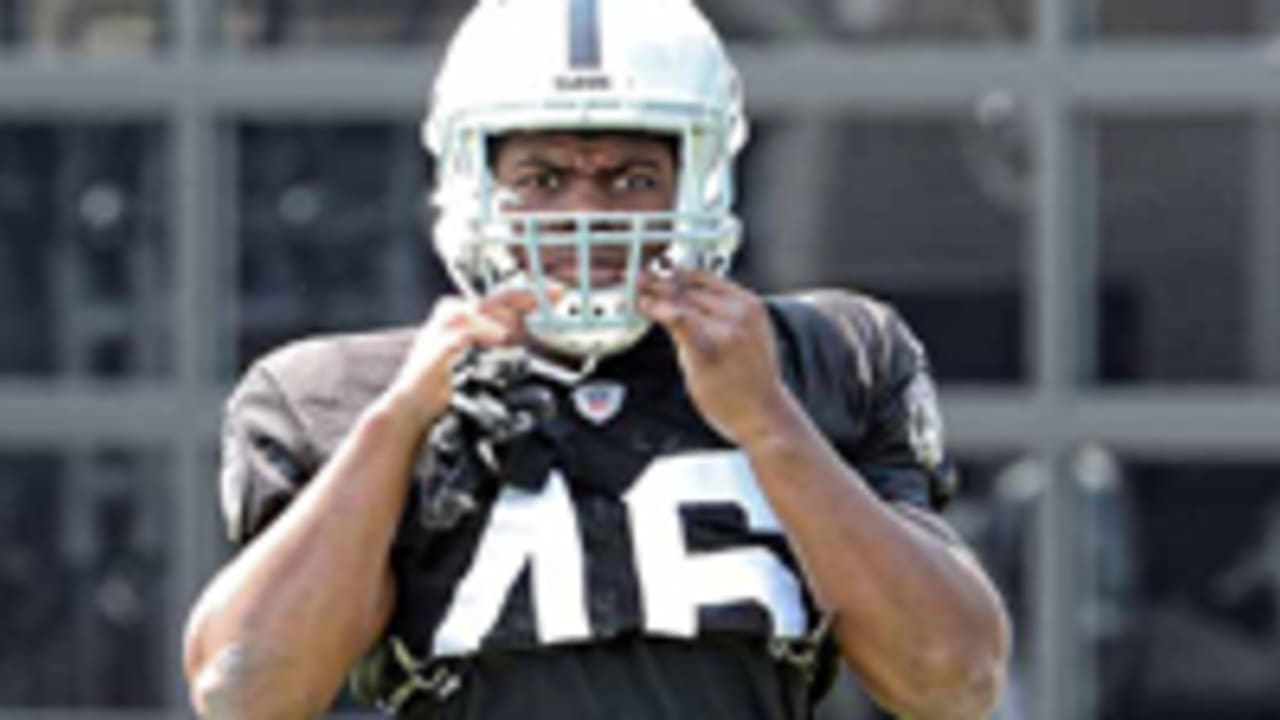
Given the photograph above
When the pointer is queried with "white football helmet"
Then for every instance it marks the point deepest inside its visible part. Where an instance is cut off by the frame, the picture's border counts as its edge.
(654, 66)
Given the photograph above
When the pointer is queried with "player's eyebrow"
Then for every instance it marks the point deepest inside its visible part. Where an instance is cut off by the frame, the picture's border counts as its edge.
(535, 160)
(639, 162)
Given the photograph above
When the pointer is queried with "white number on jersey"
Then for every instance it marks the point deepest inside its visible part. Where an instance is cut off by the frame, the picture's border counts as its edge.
(524, 527)
(674, 582)
(541, 528)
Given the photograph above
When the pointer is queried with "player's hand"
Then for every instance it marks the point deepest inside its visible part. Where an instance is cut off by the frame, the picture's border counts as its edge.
(726, 348)
(424, 383)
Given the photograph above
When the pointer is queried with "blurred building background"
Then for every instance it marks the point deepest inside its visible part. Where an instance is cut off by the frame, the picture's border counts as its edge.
(1075, 202)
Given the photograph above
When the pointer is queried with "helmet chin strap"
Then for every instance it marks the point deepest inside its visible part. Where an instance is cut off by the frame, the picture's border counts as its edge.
(556, 372)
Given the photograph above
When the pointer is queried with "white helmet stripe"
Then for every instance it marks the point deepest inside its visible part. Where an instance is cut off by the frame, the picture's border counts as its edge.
(584, 35)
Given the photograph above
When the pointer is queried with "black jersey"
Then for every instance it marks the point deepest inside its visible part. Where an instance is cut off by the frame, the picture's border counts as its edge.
(630, 565)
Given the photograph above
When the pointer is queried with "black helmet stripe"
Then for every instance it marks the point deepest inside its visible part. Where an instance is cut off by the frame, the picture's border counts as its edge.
(584, 34)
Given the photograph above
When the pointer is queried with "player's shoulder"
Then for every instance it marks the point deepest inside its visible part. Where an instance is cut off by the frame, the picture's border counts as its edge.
(838, 305)
(332, 368)
(853, 318)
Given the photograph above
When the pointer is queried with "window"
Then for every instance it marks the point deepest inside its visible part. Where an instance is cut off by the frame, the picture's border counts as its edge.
(85, 286)
(84, 566)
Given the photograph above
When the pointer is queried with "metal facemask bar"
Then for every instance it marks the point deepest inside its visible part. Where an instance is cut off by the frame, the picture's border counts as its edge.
(702, 240)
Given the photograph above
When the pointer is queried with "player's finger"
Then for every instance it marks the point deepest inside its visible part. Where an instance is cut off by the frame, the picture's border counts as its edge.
(685, 282)
(447, 306)
(667, 311)
(707, 280)
(703, 300)
(510, 306)
(715, 304)
(689, 327)
(490, 329)
(515, 303)
(696, 299)
(518, 301)
(659, 286)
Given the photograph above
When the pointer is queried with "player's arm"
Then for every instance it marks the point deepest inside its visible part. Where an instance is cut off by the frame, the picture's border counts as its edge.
(916, 618)
(274, 633)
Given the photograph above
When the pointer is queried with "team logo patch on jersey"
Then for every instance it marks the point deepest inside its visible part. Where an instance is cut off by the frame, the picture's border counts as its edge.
(599, 401)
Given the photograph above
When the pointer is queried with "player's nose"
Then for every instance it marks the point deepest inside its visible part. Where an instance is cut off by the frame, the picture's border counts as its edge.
(587, 193)
(585, 196)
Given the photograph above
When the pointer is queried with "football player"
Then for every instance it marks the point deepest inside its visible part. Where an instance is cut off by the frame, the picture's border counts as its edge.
(604, 480)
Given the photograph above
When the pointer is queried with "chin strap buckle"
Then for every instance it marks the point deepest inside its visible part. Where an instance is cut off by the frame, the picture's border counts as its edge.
(437, 681)
(804, 652)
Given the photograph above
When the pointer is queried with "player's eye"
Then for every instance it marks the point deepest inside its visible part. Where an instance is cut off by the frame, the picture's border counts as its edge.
(634, 181)
(540, 180)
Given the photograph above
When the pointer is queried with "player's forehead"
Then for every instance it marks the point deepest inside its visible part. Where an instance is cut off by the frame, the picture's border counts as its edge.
(607, 147)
